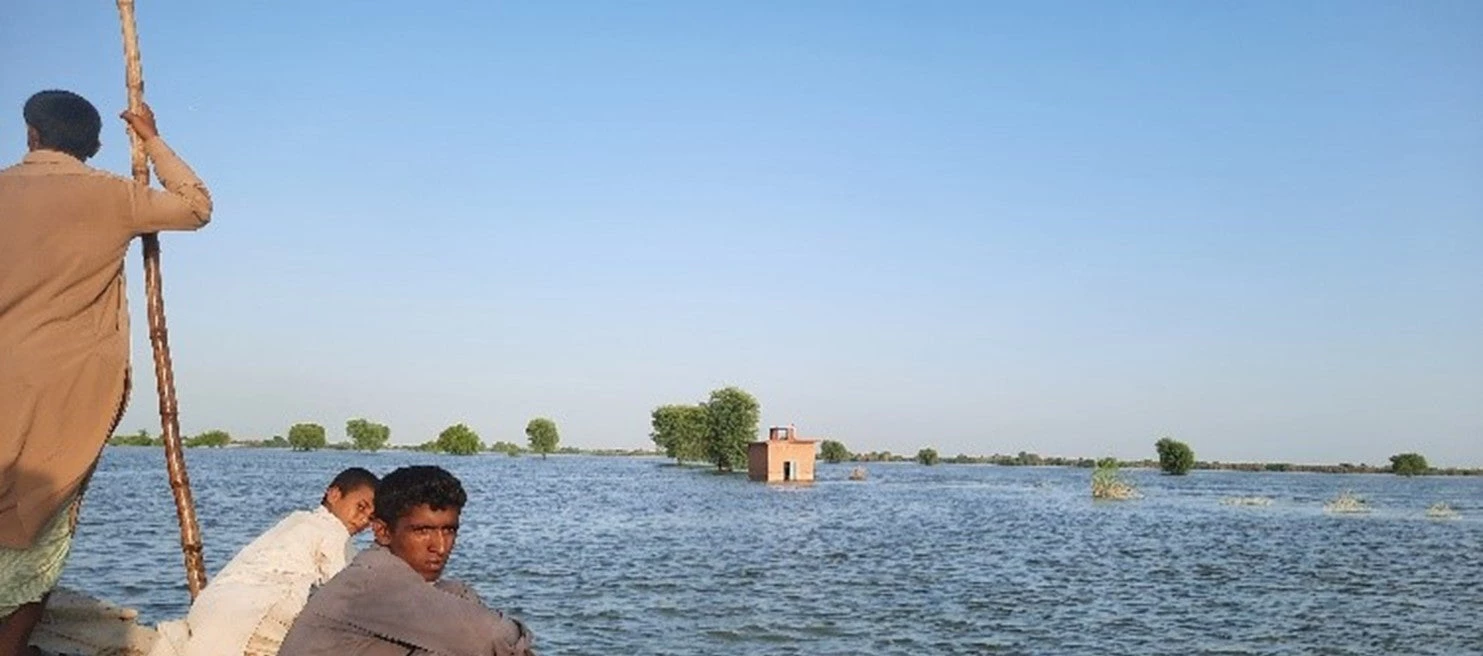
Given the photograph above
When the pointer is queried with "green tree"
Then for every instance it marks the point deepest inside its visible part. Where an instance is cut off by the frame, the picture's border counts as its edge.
(306, 437)
(927, 456)
(732, 415)
(832, 451)
(681, 430)
(460, 440)
(1175, 457)
(277, 442)
(1408, 464)
(367, 435)
(214, 438)
(542, 435)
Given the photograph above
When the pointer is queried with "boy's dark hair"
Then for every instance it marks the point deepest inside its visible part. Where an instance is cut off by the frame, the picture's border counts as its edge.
(353, 479)
(64, 121)
(409, 487)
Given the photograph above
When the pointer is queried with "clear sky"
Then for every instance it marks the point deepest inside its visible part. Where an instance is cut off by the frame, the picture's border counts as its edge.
(1059, 227)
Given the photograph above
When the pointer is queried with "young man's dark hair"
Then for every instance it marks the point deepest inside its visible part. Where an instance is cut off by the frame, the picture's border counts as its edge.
(409, 487)
(352, 498)
(65, 122)
(353, 479)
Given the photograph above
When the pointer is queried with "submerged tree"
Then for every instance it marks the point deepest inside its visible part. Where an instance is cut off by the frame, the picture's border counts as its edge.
(1175, 457)
(1408, 464)
(542, 435)
(367, 435)
(459, 440)
(833, 451)
(306, 437)
(681, 431)
(212, 438)
(927, 456)
(731, 416)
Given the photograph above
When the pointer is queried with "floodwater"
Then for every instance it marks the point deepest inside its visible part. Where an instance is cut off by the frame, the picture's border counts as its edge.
(635, 556)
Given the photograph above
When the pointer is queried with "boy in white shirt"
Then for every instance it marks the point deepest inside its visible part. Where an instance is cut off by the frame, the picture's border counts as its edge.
(250, 604)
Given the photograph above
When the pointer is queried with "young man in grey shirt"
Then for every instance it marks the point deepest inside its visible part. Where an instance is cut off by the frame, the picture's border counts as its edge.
(391, 599)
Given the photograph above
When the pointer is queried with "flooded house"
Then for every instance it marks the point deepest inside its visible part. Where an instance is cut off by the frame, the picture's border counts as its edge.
(782, 458)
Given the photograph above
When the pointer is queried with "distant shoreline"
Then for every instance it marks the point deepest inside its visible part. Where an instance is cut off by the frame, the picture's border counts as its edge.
(1021, 460)
(1034, 460)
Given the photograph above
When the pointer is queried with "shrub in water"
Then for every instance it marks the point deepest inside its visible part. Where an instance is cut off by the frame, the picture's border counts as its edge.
(1107, 483)
(1347, 503)
(1441, 510)
(1175, 457)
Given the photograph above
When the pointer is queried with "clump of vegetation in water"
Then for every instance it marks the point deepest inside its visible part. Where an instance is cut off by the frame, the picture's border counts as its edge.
(927, 456)
(1347, 503)
(1175, 457)
(367, 435)
(212, 438)
(543, 435)
(1408, 464)
(306, 437)
(681, 431)
(833, 451)
(459, 440)
(1441, 510)
(1107, 483)
(1246, 501)
(716, 431)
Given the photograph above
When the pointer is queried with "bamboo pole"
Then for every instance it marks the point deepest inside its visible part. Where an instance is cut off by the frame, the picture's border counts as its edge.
(180, 484)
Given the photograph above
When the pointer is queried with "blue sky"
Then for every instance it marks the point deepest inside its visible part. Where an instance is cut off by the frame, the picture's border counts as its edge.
(1068, 228)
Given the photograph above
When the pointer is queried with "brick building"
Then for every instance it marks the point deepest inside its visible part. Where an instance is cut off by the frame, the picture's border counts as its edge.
(782, 458)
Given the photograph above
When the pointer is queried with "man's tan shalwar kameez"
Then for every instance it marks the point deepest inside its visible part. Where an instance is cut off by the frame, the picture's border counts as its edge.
(64, 338)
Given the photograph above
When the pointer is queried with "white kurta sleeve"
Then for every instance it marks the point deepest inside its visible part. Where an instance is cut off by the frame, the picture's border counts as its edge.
(331, 547)
(332, 555)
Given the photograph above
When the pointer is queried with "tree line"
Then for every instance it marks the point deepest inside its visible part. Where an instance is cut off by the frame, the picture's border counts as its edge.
(1173, 457)
(364, 435)
(715, 431)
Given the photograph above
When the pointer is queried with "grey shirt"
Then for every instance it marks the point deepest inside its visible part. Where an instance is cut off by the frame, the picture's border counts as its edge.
(379, 606)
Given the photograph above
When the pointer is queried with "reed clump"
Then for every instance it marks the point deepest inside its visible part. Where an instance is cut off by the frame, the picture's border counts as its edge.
(1347, 503)
(1108, 483)
(1440, 510)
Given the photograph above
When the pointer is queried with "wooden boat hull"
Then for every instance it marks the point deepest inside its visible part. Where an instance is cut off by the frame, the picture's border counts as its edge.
(76, 624)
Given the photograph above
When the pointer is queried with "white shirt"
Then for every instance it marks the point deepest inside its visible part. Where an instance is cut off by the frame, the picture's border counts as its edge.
(253, 600)
(306, 548)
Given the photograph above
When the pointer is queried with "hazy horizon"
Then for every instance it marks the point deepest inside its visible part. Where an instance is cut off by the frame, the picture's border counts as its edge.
(1067, 228)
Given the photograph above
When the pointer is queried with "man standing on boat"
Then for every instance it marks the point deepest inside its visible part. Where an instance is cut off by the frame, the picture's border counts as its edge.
(64, 338)
(392, 598)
